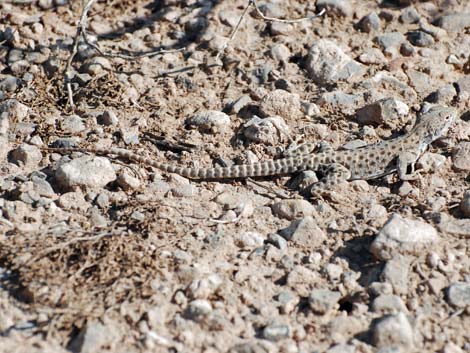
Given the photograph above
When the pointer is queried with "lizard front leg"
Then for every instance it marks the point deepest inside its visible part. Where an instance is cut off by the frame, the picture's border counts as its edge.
(404, 160)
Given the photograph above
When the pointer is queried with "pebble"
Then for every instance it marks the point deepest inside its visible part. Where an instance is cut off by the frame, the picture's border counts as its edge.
(51, 66)
(4, 123)
(72, 124)
(203, 288)
(369, 23)
(292, 209)
(130, 135)
(458, 294)
(240, 103)
(341, 100)
(454, 22)
(393, 330)
(66, 142)
(406, 49)
(96, 65)
(280, 29)
(276, 332)
(409, 15)
(465, 204)
(443, 95)
(249, 240)
(108, 118)
(342, 348)
(452, 225)
(461, 156)
(420, 38)
(278, 241)
(429, 162)
(396, 273)
(86, 171)
(327, 63)
(288, 301)
(335, 7)
(198, 309)
(74, 200)
(388, 304)
(127, 181)
(304, 232)
(266, 131)
(403, 236)
(9, 83)
(211, 121)
(95, 335)
(27, 155)
(322, 301)
(383, 111)
(280, 52)
(372, 56)
(137, 216)
(380, 288)
(282, 103)
(389, 40)
(16, 111)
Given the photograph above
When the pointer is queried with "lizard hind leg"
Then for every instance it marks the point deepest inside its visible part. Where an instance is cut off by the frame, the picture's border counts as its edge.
(334, 173)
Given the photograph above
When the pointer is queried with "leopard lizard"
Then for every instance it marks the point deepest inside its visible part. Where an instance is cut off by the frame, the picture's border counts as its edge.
(368, 162)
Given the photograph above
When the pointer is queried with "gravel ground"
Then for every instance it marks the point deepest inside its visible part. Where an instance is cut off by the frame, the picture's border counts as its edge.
(106, 255)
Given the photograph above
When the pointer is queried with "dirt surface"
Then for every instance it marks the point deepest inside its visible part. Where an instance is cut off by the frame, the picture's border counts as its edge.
(125, 258)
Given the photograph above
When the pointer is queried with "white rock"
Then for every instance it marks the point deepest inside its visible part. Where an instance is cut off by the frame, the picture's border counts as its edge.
(292, 209)
(304, 231)
(323, 300)
(209, 121)
(86, 171)
(16, 111)
(267, 131)
(249, 240)
(394, 330)
(282, 103)
(27, 155)
(458, 294)
(403, 236)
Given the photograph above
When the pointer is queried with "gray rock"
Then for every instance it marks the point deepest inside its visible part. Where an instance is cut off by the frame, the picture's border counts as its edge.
(455, 22)
(336, 7)
(9, 83)
(327, 64)
(458, 294)
(372, 56)
(96, 65)
(74, 200)
(396, 273)
(96, 336)
(51, 66)
(102, 200)
(138, 216)
(383, 111)
(388, 304)
(66, 142)
(198, 309)
(86, 171)
(342, 348)
(211, 121)
(127, 181)
(409, 15)
(280, 52)
(338, 99)
(390, 40)
(276, 332)
(267, 131)
(4, 123)
(288, 301)
(420, 81)
(292, 209)
(4, 148)
(431, 161)
(108, 118)
(465, 204)
(278, 241)
(323, 300)
(393, 330)
(403, 236)
(463, 84)
(16, 111)
(249, 240)
(420, 38)
(443, 95)
(406, 49)
(452, 225)
(240, 103)
(369, 23)
(72, 124)
(304, 232)
(130, 135)
(461, 156)
(27, 155)
(380, 288)
(282, 103)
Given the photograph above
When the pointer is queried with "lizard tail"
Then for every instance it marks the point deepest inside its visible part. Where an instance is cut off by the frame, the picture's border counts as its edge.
(266, 168)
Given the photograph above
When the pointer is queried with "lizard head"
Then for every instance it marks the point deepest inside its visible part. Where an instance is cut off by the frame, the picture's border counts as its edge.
(434, 122)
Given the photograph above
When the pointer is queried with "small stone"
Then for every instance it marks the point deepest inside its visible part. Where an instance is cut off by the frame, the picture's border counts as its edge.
(276, 332)
(430, 162)
(304, 231)
(420, 38)
(73, 201)
(390, 40)
(288, 301)
(96, 336)
(278, 241)
(138, 216)
(333, 271)
(9, 83)
(396, 272)
(96, 65)
(372, 56)
(198, 309)
(458, 294)
(443, 95)
(388, 304)
(393, 330)
(102, 200)
(45, 4)
(452, 225)
(340, 100)
(403, 236)
(454, 22)
(266, 131)
(336, 7)
(461, 156)
(465, 204)
(127, 181)
(342, 328)
(406, 49)
(280, 52)
(463, 84)
(211, 121)
(96, 218)
(380, 288)
(409, 15)
(341, 348)
(323, 300)
(383, 111)
(249, 240)
(86, 171)
(282, 103)
(240, 103)
(292, 209)
(66, 142)
(16, 111)
(451, 347)
(228, 17)
(369, 23)
(108, 118)
(72, 124)
(203, 288)
(27, 155)
(280, 29)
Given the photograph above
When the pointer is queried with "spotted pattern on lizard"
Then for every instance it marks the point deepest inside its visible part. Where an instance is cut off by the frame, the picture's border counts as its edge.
(368, 162)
